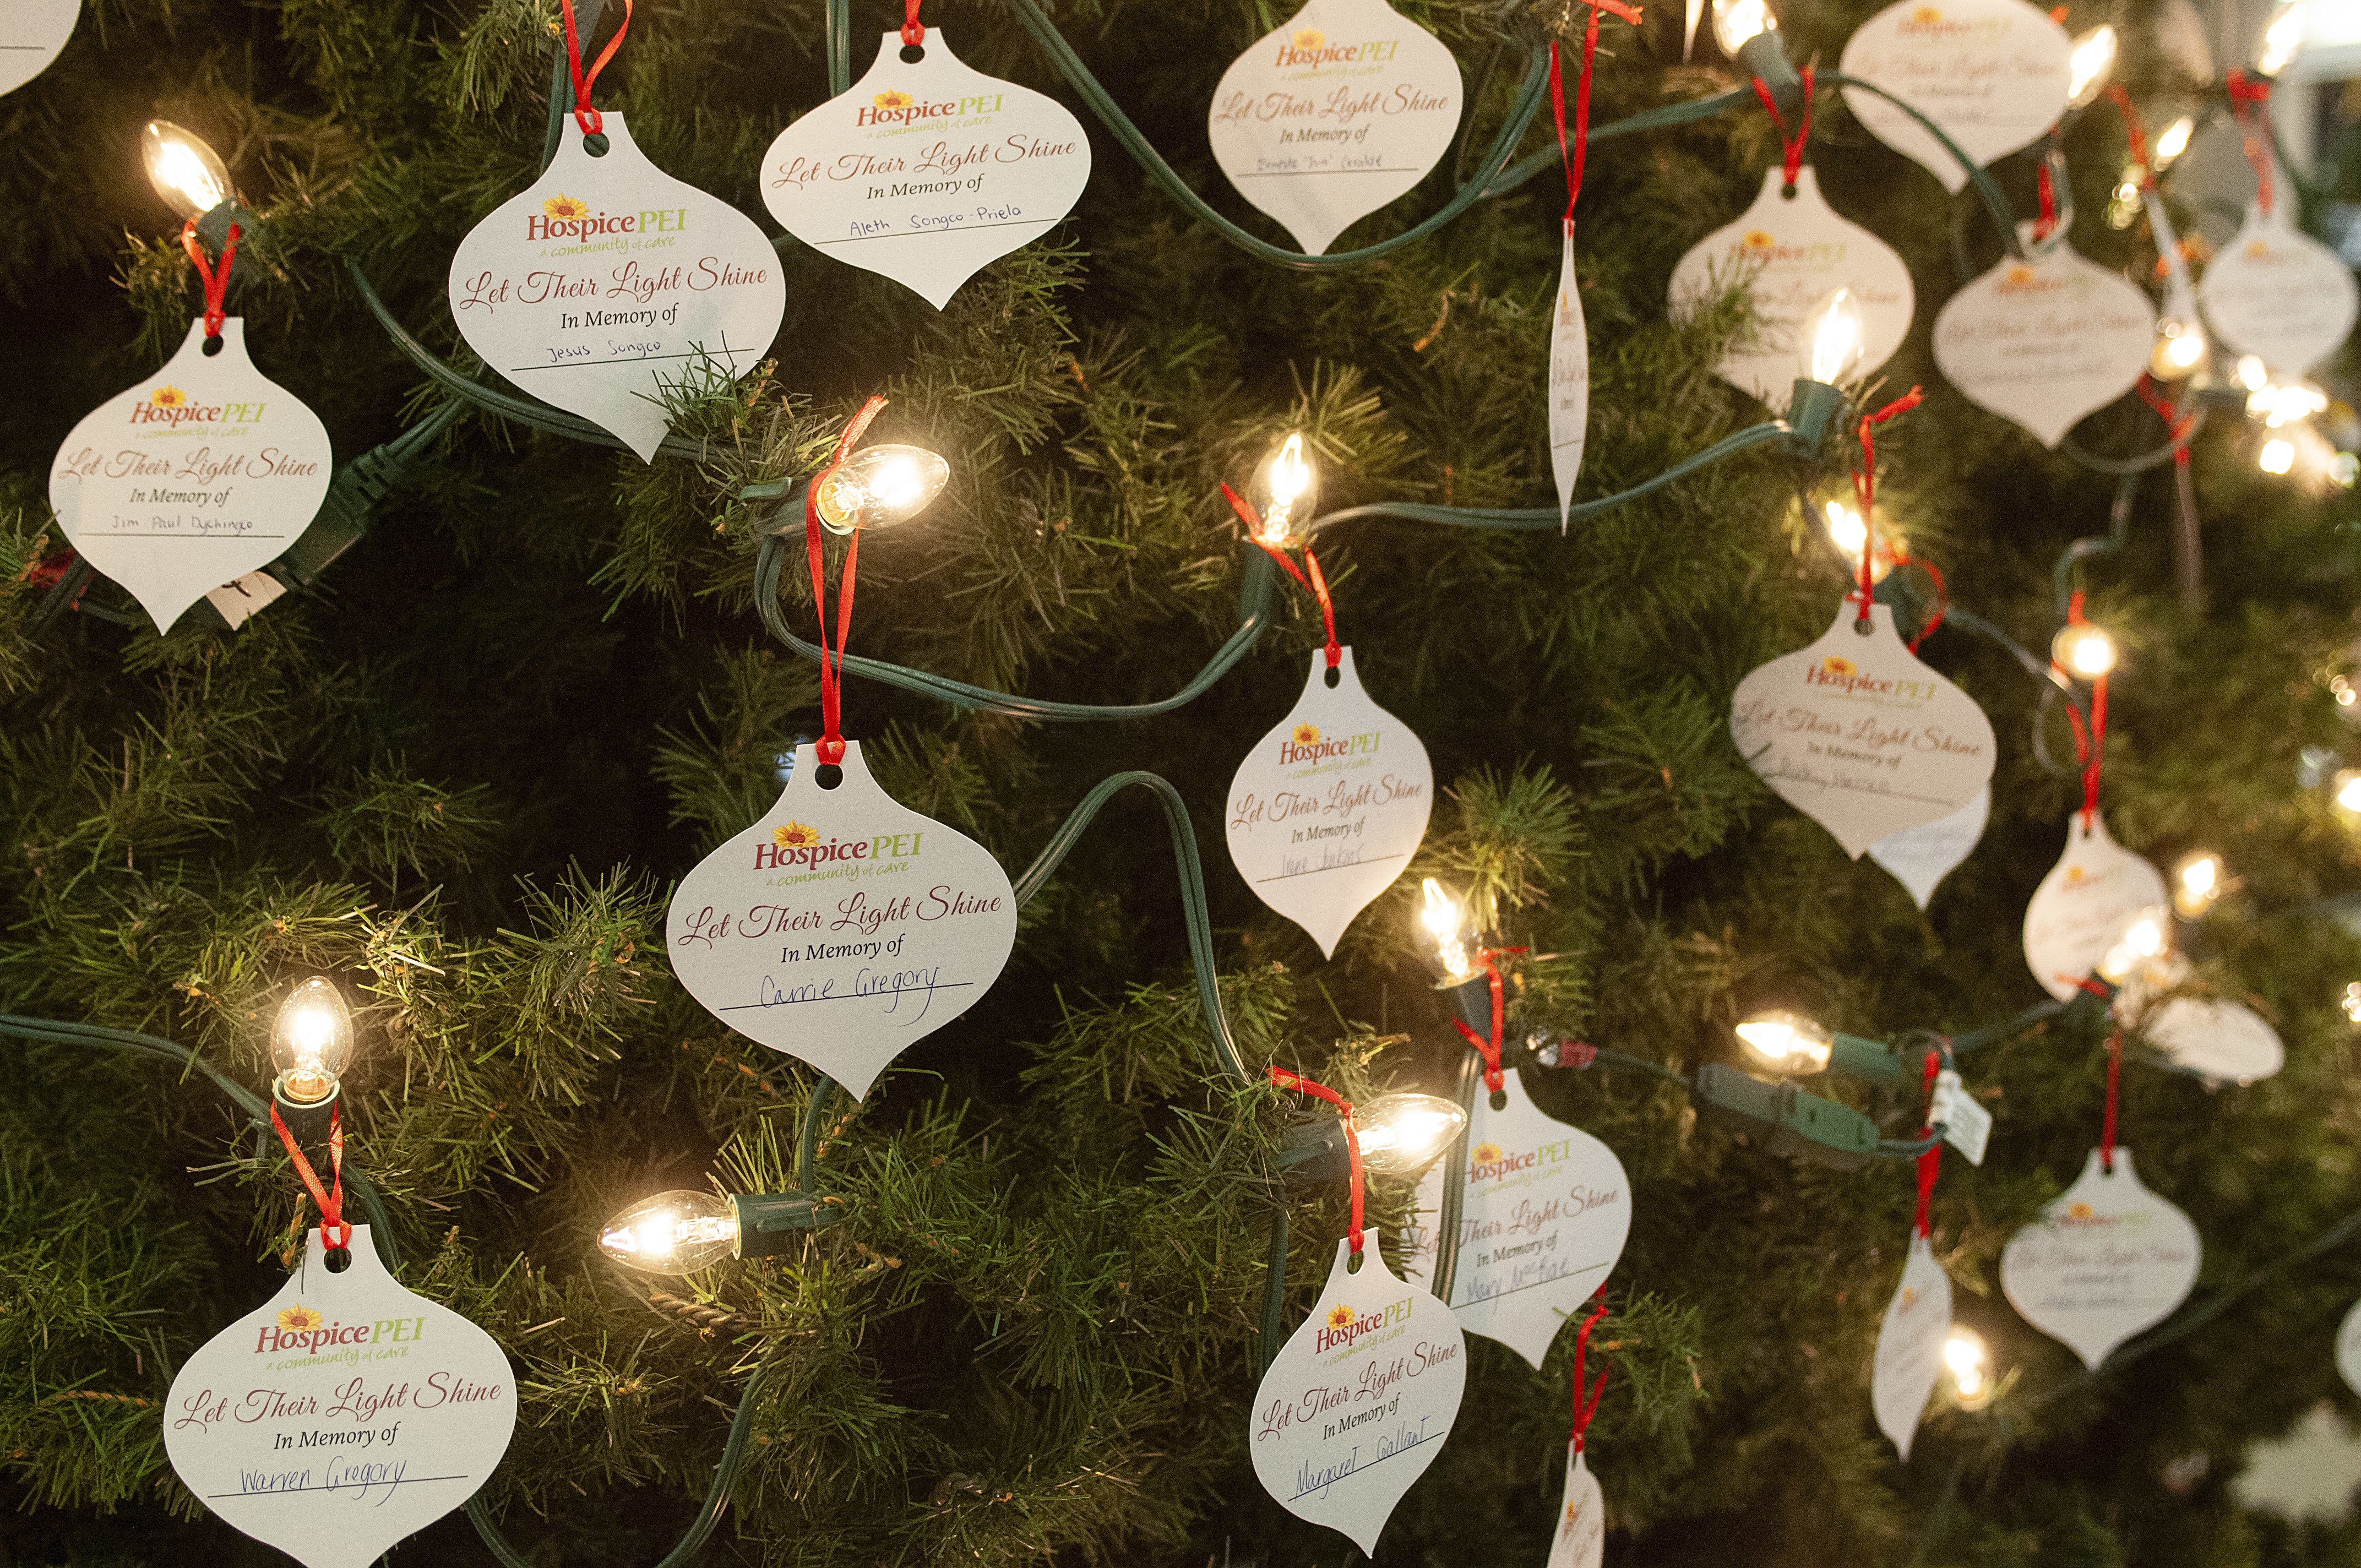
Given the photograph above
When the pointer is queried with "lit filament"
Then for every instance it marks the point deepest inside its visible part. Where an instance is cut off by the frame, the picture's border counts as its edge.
(1443, 922)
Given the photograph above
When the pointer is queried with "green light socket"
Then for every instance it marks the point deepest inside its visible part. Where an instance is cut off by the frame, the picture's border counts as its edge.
(1787, 1120)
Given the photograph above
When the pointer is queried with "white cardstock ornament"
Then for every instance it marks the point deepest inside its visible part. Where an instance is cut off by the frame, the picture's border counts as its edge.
(343, 1414)
(1993, 74)
(1543, 1211)
(2083, 907)
(1791, 252)
(1860, 736)
(32, 32)
(1329, 806)
(2105, 1259)
(1342, 108)
(2278, 293)
(2215, 1037)
(2348, 1348)
(1569, 387)
(843, 926)
(2044, 340)
(1910, 1345)
(193, 477)
(927, 169)
(1920, 857)
(1580, 1540)
(1359, 1401)
(607, 281)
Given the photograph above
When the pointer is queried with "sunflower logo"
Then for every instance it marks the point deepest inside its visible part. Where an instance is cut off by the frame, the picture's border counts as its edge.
(299, 1319)
(1307, 734)
(2259, 249)
(1927, 16)
(564, 206)
(169, 398)
(795, 836)
(1488, 1154)
(1758, 239)
(890, 99)
(1838, 665)
(2076, 876)
(1909, 1294)
(1339, 1315)
(2081, 1211)
(1309, 37)
(2020, 275)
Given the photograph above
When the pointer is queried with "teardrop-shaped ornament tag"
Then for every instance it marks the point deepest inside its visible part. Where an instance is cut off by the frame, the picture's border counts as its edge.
(1580, 1539)
(2044, 340)
(343, 1414)
(1790, 252)
(193, 477)
(843, 927)
(32, 34)
(927, 169)
(1860, 736)
(1910, 1345)
(1357, 1402)
(608, 282)
(2348, 1348)
(1994, 75)
(2278, 293)
(2215, 1037)
(2106, 1259)
(1569, 388)
(2083, 907)
(1543, 1212)
(1329, 806)
(1920, 857)
(1345, 107)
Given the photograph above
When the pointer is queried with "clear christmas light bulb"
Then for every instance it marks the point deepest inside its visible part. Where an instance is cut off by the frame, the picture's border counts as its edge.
(1833, 338)
(311, 1042)
(2179, 349)
(1401, 1133)
(1841, 517)
(1735, 21)
(1285, 492)
(2282, 38)
(2283, 401)
(2175, 140)
(2145, 938)
(188, 174)
(2198, 880)
(2347, 791)
(2276, 457)
(2084, 650)
(673, 1232)
(880, 486)
(1787, 1043)
(2091, 64)
(2251, 373)
(1446, 922)
(2353, 1002)
(1967, 1369)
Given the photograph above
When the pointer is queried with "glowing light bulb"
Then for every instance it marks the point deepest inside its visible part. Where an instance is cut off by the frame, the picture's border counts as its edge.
(2084, 650)
(2251, 373)
(2145, 938)
(1786, 1042)
(310, 1043)
(1286, 491)
(2279, 401)
(2179, 349)
(880, 486)
(1834, 339)
(2276, 457)
(188, 174)
(1735, 21)
(1401, 1133)
(1445, 920)
(2353, 1002)
(2282, 38)
(2175, 140)
(2348, 787)
(2091, 64)
(1967, 1368)
(1842, 520)
(673, 1232)
(2197, 883)
(2345, 693)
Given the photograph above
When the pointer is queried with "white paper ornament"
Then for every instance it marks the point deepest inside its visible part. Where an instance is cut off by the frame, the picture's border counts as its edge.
(2348, 1348)
(343, 1414)
(32, 32)
(607, 281)
(927, 169)
(1791, 252)
(2044, 340)
(1341, 108)
(2215, 1037)
(1543, 1212)
(1910, 1345)
(1860, 736)
(2106, 1259)
(843, 927)
(1920, 857)
(193, 477)
(2083, 907)
(1580, 1539)
(1994, 75)
(1329, 806)
(2276, 292)
(1358, 1400)
(1569, 388)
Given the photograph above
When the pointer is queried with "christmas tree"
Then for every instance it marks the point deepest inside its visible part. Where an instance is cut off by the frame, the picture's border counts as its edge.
(521, 683)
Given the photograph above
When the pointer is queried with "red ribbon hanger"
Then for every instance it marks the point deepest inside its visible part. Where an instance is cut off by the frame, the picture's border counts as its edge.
(1296, 1081)
(830, 747)
(1791, 148)
(334, 1231)
(2250, 105)
(1491, 1049)
(1572, 157)
(1864, 487)
(585, 116)
(1316, 584)
(1586, 1406)
(216, 277)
